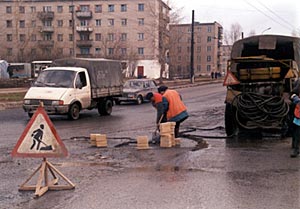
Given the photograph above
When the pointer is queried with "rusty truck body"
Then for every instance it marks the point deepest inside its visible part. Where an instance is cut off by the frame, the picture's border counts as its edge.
(263, 71)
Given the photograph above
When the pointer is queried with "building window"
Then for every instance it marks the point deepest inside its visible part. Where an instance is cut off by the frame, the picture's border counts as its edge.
(111, 22)
(70, 23)
(199, 68)
(71, 51)
(59, 23)
(71, 8)
(208, 58)
(209, 29)
(123, 36)
(21, 9)
(9, 37)
(123, 7)
(140, 36)
(98, 8)
(111, 8)
(47, 9)
(110, 51)
(8, 10)
(97, 50)
(98, 36)
(208, 48)
(141, 7)
(98, 22)
(59, 9)
(208, 38)
(33, 23)
(208, 68)
(22, 37)
(33, 37)
(70, 37)
(33, 52)
(84, 8)
(199, 58)
(22, 24)
(124, 22)
(85, 50)
(141, 21)
(60, 51)
(179, 49)
(179, 58)
(59, 37)
(198, 49)
(198, 39)
(9, 51)
(111, 37)
(47, 37)
(123, 51)
(140, 51)
(84, 23)
(33, 9)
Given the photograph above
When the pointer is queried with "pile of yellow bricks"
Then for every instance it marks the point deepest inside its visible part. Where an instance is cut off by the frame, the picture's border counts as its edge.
(98, 140)
(167, 137)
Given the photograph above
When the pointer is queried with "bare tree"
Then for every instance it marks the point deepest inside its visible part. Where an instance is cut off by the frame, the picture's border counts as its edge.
(234, 34)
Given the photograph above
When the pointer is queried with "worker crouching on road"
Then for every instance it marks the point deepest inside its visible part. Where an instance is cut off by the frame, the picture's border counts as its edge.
(156, 100)
(296, 122)
(174, 108)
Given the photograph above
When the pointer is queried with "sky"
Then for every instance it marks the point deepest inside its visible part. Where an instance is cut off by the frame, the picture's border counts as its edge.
(262, 16)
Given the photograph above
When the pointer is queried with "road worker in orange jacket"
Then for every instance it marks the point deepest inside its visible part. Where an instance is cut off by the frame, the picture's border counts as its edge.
(174, 107)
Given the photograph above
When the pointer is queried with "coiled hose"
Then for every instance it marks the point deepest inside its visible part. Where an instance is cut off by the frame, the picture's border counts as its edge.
(260, 111)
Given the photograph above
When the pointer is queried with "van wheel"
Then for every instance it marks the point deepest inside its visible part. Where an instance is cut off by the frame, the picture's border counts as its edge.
(230, 122)
(105, 107)
(74, 111)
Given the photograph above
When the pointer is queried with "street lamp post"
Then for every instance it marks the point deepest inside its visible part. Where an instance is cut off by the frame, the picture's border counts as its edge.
(266, 30)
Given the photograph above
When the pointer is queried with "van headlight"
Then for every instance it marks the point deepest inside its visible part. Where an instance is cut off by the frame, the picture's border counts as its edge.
(57, 102)
(27, 101)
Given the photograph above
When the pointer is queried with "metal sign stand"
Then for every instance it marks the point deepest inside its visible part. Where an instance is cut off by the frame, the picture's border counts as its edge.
(41, 188)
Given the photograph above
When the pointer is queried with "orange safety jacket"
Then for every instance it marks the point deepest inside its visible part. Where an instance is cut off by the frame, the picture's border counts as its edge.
(176, 105)
(157, 98)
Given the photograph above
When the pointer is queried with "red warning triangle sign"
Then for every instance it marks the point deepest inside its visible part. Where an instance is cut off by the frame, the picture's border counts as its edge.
(230, 79)
(40, 139)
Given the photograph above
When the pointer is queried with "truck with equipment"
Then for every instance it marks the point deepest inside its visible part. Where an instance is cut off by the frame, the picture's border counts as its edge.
(262, 73)
(75, 84)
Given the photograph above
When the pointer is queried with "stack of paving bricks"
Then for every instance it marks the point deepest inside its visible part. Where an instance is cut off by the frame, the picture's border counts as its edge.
(167, 138)
(98, 140)
(142, 142)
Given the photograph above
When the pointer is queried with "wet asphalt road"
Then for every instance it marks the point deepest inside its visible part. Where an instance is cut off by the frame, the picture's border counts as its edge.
(228, 174)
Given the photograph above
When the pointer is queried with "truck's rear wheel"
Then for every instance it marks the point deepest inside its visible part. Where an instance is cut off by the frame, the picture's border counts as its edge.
(230, 122)
(105, 107)
(74, 112)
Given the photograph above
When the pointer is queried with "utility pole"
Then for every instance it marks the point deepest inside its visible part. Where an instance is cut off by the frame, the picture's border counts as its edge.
(192, 49)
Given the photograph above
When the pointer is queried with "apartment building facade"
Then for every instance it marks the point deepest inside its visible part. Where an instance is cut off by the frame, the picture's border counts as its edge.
(128, 30)
(207, 49)
(225, 56)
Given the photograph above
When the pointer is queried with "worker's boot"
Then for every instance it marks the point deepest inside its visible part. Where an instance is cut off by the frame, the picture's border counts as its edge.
(295, 153)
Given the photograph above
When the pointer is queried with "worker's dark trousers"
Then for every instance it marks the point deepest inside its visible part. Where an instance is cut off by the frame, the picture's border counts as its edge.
(296, 138)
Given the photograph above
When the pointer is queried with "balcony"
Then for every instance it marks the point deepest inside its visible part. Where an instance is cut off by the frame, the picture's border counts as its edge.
(46, 15)
(46, 43)
(47, 29)
(84, 29)
(84, 43)
(84, 14)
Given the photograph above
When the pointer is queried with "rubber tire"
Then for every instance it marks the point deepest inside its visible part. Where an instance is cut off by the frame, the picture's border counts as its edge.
(105, 107)
(139, 100)
(230, 122)
(74, 112)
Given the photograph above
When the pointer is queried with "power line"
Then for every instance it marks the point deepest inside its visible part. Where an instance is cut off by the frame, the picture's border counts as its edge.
(283, 25)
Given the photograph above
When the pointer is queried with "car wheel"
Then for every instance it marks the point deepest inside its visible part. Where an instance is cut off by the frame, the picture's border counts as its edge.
(139, 100)
(74, 112)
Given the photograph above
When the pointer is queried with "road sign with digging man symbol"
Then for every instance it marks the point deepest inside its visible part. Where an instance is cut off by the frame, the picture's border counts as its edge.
(40, 139)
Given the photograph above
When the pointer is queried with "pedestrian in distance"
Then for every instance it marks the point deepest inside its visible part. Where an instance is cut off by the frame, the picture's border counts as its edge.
(296, 131)
(212, 75)
(174, 107)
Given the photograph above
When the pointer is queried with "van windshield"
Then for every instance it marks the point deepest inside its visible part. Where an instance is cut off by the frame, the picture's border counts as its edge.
(56, 78)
